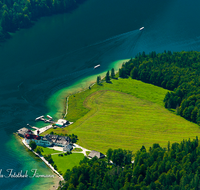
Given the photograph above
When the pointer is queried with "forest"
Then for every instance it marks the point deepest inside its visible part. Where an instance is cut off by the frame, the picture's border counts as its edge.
(177, 71)
(176, 167)
(16, 14)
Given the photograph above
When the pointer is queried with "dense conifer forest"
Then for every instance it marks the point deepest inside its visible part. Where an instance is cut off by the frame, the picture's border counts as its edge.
(178, 72)
(174, 168)
(16, 14)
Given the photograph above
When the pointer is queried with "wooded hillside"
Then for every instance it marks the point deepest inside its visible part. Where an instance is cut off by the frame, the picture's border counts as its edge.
(176, 167)
(15, 14)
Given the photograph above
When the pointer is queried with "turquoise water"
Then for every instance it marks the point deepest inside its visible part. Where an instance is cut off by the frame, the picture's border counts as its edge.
(41, 65)
(56, 103)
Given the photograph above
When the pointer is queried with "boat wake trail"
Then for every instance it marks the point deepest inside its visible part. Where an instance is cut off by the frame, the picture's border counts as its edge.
(74, 65)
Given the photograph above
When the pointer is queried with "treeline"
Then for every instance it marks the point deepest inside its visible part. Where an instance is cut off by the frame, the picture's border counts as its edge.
(15, 14)
(174, 168)
(108, 76)
(178, 72)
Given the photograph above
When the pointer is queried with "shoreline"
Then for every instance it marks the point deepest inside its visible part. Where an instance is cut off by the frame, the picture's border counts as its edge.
(58, 177)
(56, 103)
(60, 101)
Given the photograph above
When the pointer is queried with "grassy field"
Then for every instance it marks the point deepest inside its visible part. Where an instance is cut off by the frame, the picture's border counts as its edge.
(47, 151)
(141, 90)
(125, 114)
(77, 150)
(67, 162)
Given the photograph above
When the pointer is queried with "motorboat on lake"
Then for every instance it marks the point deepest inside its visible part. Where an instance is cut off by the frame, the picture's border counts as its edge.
(97, 66)
(141, 28)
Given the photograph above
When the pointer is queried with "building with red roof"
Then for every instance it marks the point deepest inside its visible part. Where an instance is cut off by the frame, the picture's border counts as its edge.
(41, 141)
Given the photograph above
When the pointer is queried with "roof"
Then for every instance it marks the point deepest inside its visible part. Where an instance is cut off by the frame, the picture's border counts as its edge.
(31, 136)
(45, 139)
(22, 131)
(94, 153)
(58, 139)
(70, 147)
(61, 122)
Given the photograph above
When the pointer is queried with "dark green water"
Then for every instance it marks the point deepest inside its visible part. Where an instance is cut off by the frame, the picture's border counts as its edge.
(60, 52)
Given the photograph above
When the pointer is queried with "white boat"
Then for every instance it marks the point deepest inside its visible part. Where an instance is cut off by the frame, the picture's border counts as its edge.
(141, 28)
(95, 67)
(49, 117)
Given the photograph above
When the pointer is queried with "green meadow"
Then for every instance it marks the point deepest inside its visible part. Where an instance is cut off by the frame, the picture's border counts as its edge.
(77, 107)
(67, 162)
(125, 114)
(47, 150)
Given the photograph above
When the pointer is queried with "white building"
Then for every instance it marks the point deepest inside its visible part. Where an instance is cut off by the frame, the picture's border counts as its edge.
(62, 122)
(40, 141)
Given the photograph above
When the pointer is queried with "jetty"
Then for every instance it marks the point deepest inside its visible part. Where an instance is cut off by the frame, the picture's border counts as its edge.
(41, 118)
(49, 117)
(35, 128)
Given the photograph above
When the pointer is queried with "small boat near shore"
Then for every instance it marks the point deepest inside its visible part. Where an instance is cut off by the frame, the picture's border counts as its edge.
(97, 66)
(141, 28)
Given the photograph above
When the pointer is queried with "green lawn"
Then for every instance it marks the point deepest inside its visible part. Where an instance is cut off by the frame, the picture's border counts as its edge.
(47, 151)
(67, 162)
(77, 150)
(77, 109)
(125, 114)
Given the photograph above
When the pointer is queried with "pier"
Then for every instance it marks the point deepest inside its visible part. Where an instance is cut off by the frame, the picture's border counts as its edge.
(35, 128)
(41, 118)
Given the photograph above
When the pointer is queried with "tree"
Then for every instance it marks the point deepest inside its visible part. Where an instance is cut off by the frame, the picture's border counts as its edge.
(127, 157)
(98, 79)
(134, 73)
(118, 156)
(107, 77)
(81, 186)
(33, 145)
(5, 21)
(39, 150)
(49, 159)
(122, 73)
(112, 73)
(168, 146)
(55, 167)
(109, 154)
(71, 187)
(194, 114)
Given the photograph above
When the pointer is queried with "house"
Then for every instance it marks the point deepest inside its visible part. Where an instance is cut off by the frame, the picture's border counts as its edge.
(94, 153)
(40, 141)
(68, 148)
(49, 140)
(22, 132)
(58, 140)
(62, 123)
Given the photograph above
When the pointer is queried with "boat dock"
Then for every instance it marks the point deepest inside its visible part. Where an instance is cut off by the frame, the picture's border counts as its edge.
(35, 128)
(41, 118)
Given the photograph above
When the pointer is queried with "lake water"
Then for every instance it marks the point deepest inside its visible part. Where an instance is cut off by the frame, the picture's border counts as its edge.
(40, 66)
